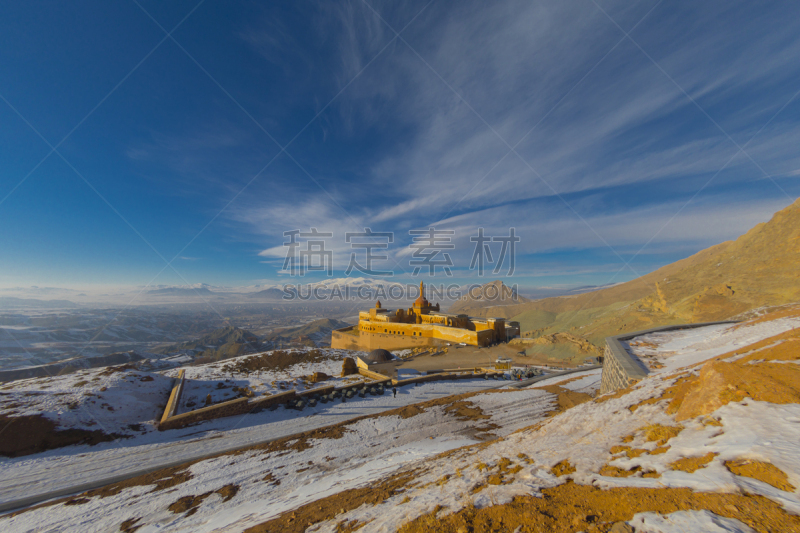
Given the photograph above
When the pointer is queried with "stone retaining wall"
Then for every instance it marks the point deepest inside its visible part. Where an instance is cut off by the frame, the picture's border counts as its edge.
(241, 406)
(370, 374)
(174, 398)
(622, 369)
(442, 376)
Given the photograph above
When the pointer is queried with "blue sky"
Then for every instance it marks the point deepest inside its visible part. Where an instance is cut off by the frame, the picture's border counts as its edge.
(174, 143)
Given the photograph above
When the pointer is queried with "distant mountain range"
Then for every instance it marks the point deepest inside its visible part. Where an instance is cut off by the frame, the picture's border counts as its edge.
(9, 302)
(269, 294)
(181, 291)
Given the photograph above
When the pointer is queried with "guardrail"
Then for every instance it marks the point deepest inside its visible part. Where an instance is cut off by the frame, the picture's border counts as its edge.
(622, 369)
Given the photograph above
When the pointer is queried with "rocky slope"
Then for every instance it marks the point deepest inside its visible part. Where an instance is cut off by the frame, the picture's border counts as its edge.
(757, 269)
(316, 333)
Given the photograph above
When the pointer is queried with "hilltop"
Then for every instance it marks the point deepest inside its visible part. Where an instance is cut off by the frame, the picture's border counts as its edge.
(231, 341)
(316, 333)
(269, 294)
(757, 269)
(221, 343)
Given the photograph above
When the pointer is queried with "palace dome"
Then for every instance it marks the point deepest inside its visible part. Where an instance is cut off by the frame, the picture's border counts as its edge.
(379, 356)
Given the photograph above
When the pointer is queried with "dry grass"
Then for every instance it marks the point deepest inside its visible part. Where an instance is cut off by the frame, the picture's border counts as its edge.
(571, 507)
(691, 464)
(562, 468)
(660, 434)
(766, 472)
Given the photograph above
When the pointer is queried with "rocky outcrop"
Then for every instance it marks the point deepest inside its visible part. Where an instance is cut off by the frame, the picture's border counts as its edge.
(317, 377)
(583, 345)
(349, 367)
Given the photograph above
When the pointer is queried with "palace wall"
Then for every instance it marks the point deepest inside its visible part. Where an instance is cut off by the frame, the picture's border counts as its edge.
(398, 336)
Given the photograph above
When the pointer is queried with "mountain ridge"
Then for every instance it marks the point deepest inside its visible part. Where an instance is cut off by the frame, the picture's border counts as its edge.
(757, 269)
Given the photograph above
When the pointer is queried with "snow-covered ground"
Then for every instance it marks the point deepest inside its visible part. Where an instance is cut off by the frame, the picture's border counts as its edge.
(66, 467)
(368, 449)
(676, 349)
(218, 379)
(127, 402)
(578, 381)
(482, 451)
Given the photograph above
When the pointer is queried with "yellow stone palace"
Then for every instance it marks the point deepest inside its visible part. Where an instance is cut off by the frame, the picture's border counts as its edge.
(423, 324)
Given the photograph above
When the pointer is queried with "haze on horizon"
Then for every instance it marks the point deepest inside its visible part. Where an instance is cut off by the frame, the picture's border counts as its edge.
(148, 144)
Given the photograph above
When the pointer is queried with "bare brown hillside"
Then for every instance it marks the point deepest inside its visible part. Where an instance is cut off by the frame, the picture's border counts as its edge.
(757, 269)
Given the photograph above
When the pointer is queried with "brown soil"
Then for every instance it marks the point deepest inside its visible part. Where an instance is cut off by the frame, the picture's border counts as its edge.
(766, 472)
(571, 508)
(119, 368)
(721, 381)
(161, 479)
(188, 503)
(409, 411)
(691, 464)
(129, 526)
(318, 377)
(562, 468)
(36, 433)
(657, 432)
(632, 453)
(790, 311)
(464, 410)
(228, 491)
(506, 469)
(455, 405)
(615, 471)
(270, 478)
(327, 508)
(566, 398)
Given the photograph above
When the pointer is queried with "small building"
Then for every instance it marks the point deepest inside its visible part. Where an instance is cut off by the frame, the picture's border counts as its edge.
(512, 330)
(380, 361)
